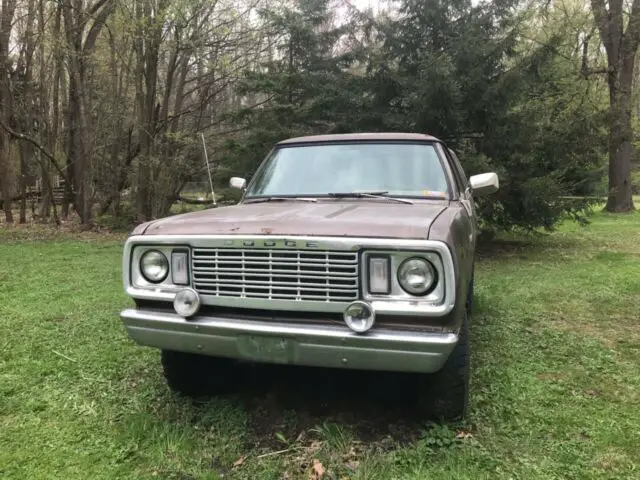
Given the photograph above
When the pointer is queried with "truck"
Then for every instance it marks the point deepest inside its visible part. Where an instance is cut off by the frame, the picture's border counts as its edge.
(346, 251)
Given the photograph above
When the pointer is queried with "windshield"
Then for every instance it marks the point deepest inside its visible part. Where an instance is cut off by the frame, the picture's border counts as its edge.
(397, 169)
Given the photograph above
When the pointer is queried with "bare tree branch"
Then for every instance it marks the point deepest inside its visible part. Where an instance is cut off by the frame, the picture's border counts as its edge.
(98, 23)
(584, 68)
(35, 143)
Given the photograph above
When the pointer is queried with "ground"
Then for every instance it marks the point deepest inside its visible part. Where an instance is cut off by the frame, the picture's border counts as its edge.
(555, 389)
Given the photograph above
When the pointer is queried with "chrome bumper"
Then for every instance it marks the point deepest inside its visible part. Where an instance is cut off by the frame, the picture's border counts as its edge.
(286, 343)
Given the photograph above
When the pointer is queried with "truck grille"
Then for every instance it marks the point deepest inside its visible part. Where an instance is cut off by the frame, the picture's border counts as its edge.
(323, 276)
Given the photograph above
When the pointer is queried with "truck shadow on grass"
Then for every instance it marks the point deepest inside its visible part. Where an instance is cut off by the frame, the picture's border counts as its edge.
(290, 401)
(285, 403)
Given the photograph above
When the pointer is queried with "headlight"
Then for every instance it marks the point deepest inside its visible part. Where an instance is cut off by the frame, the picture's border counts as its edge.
(417, 276)
(154, 266)
(186, 303)
(359, 317)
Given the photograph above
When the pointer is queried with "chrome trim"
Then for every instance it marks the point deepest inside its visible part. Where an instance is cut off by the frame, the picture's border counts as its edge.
(296, 344)
(266, 304)
(382, 305)
(276, 274)
(136, 276)
(410, 308)
(435, 297)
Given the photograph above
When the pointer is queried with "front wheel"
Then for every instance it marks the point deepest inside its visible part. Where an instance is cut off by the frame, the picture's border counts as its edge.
(446, 396)
(196, 375)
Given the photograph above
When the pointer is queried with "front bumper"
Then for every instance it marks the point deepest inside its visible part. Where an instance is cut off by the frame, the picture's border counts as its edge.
(294, 344)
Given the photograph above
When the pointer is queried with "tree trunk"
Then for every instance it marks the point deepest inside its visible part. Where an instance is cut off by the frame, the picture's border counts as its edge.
(620, 154)
(76, 115)
(27, 117)
(148, 47)
(621, 47)
(23, 185)
(80, 49)
(6, 174)
(56, 120)
(6, 170)
(45, 205)
(621, 135)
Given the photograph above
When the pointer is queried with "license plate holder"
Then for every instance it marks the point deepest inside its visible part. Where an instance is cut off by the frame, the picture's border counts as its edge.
(270, 349)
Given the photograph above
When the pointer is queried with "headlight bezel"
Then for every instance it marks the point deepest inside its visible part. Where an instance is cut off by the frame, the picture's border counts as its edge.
(137, 278)
(435, 295)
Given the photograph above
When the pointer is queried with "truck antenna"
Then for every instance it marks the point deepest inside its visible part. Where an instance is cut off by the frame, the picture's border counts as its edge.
(206, 159)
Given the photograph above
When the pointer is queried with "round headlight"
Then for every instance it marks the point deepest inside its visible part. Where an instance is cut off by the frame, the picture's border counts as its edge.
(154, 266)
(359, 317)
(417, 276)
(186, 303)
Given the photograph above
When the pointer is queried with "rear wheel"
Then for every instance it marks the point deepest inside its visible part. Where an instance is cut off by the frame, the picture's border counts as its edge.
(196, 375)
(446, 396)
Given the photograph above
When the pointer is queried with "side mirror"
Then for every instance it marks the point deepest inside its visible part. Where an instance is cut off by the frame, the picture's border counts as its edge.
(484, 184)
(237, 183)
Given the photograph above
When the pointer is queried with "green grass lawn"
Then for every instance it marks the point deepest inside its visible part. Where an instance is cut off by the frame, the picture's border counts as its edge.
(555, 388)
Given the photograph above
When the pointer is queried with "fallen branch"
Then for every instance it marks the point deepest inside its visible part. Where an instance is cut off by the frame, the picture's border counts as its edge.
(64, 356)
(279, 452)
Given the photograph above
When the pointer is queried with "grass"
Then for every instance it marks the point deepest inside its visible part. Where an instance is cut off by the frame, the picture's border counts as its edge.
(555, 389)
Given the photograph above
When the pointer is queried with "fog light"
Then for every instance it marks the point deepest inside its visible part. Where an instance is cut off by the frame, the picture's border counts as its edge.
(359, 317)
(187, 303)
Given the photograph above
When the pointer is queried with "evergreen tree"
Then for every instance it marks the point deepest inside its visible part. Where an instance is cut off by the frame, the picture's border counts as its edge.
(446, 68)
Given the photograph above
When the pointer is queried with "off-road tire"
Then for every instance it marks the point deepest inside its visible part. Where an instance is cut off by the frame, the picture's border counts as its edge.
(194, 375)
(469, 304)
(446, 396)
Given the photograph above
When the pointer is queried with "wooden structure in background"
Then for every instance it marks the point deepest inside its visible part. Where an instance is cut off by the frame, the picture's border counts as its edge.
(36, 191)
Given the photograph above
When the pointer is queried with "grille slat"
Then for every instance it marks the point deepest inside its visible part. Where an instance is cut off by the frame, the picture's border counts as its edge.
(306, 286)
(324, 276)
(295, 261)
(267, 272)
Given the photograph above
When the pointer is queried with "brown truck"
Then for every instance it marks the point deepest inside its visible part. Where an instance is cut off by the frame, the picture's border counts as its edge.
(348, 251)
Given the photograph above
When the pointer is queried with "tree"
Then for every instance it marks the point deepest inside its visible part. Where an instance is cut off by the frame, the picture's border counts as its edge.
(6, 104)
(621, 46)
(303, 86)
(82, 25)
(111, 97)
(451, 69)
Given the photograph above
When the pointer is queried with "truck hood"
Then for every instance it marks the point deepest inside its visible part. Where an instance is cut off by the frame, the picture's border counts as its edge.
(354, 218)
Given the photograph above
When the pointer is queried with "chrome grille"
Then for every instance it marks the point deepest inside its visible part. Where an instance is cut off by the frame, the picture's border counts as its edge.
(323, 276)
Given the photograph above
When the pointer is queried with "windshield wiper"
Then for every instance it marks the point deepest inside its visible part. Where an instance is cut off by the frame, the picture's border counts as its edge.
(382, 195)
(280, 199)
